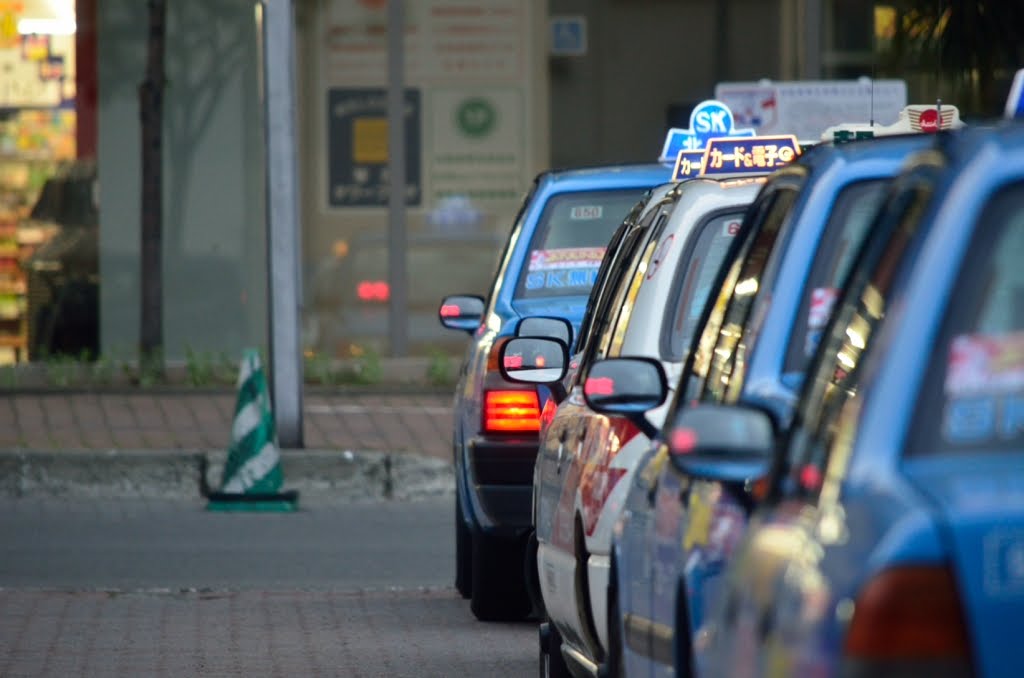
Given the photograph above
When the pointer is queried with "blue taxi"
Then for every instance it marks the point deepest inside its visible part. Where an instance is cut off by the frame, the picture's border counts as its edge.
(547, 268)
(892, 538)
(773, 297)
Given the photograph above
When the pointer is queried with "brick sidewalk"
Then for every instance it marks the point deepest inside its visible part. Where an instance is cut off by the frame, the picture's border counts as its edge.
(413, 423)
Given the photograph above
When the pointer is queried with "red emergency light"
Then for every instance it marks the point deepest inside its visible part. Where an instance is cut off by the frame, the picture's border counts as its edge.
(374, 290)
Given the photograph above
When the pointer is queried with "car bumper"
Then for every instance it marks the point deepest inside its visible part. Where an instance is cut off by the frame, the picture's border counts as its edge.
(500, 482)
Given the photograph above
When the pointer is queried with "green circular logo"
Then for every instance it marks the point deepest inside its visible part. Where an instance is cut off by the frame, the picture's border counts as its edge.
(476, 117)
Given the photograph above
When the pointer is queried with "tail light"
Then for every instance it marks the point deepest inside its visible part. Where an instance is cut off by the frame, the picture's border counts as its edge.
(910, 613)
(511, 411)
(508, 407)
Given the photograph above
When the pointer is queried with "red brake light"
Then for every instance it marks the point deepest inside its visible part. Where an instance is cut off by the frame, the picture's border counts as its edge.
(450, 310)
(511, 411)
(376, 290)
(910, 612)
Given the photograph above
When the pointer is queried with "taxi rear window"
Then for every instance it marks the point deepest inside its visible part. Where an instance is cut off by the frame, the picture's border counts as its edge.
(854, 210)
(974, 388)
(570, 240)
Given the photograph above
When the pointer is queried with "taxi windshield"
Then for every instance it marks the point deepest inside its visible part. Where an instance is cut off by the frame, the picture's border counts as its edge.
(569, 242)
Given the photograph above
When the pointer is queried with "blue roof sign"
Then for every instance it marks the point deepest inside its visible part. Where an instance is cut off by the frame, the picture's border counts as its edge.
(756, 155)
(708, 120)
(1015, 102)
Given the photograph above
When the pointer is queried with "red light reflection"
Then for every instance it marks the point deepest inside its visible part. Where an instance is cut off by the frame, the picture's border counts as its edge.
(599, 386)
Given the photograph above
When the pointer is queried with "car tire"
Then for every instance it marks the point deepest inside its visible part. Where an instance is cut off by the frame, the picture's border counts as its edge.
(463, 553)
(551, 663)
(498, 589)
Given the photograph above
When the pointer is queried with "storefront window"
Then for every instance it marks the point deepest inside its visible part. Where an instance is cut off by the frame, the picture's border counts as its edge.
(964, 53)
(37, 158)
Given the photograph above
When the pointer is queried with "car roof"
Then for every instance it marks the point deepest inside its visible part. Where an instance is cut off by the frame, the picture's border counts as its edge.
(606, 176)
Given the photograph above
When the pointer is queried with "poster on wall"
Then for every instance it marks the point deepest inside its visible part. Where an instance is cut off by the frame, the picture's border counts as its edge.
(468, 59)
(476, 138)
(357, 141)
(805, 108)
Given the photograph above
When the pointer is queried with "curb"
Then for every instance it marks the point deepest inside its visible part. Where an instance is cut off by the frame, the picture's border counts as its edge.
(326, 475)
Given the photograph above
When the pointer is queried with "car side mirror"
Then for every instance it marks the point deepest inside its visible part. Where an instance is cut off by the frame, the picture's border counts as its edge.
(628, 387)
(542, 326)
(533, 360)
(725, 443)
(462, 312)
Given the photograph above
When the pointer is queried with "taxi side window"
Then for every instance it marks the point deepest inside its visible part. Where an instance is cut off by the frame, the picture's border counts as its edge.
(602, 315)
(972, 399)
(624, 297)
(821, 436)
(695, 277)
(726, 353)
(847, 226)
(611, 257)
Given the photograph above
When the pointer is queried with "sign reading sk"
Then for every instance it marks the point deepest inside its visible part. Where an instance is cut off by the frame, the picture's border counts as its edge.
(709, 119)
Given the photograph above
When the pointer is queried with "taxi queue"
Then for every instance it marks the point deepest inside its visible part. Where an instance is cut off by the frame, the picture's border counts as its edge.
(765, 418)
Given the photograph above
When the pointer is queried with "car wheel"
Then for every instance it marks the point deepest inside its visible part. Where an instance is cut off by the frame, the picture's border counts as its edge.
(552, 663)
(463, 553)
(498, 589)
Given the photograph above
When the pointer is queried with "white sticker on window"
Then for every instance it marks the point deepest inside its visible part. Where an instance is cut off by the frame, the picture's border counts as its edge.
(586, 212)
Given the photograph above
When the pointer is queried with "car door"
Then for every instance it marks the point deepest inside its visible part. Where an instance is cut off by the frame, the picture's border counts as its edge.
(556, 444)
(685, 555)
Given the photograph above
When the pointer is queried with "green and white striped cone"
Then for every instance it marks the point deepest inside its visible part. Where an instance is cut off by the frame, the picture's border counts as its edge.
(252, 476)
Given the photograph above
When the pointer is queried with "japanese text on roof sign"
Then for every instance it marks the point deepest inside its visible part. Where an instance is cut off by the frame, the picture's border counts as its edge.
(688, 164)
(758, 154)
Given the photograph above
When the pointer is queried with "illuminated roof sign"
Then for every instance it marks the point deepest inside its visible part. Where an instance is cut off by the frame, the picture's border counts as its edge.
(708, 120)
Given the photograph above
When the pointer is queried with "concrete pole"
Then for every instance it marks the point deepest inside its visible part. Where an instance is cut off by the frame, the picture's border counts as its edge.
(397, 310)
(813, 25)
(284, 293)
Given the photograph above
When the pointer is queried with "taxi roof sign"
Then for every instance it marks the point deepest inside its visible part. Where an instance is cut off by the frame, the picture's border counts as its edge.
(748, 155)
(920, 118)
(688, 164)
(1015, 101)
(708, 120)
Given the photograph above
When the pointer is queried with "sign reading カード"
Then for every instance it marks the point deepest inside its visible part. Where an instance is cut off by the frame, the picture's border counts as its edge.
(357, 154)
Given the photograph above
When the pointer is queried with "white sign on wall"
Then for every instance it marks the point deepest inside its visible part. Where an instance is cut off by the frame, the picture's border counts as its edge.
(806, 108)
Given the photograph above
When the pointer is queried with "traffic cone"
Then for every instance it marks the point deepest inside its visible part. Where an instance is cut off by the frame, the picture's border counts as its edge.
(252, 477)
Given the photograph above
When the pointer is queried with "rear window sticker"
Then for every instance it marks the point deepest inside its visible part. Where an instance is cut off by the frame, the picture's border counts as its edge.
(731, 228)
(985, 364)
(983, 418)
(566, 257)
(1004, 562)
(969, 420)
(575, 277)
(586, 212)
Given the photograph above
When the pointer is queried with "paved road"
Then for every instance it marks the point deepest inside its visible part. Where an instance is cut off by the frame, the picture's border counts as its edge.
(137, 587)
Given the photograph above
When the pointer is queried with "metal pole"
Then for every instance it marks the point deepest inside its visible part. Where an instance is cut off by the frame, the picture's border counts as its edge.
(397, 317)
(283, 236)
(813, 27)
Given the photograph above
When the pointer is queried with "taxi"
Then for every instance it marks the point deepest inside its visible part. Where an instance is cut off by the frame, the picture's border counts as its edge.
(891, 541)
(756, 336)
(547, 267)
(646, 308)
